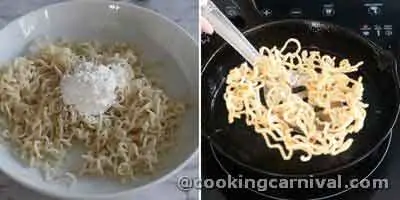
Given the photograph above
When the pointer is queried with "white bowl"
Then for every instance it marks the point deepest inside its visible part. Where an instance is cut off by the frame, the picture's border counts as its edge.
(158, 38)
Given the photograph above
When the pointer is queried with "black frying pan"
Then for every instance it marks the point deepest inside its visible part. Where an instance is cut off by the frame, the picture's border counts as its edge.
(247, 148)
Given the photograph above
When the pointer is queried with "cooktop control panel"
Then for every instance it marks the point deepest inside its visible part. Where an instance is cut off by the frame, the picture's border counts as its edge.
(376, 20)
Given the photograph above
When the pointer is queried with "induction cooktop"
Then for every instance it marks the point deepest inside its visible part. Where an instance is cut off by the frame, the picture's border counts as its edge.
(373, 19)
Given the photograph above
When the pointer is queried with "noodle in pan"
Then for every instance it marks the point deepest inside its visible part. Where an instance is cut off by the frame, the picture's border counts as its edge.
(298, 100)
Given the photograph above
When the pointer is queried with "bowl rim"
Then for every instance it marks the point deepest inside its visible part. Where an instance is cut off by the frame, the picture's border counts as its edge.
(130, 191)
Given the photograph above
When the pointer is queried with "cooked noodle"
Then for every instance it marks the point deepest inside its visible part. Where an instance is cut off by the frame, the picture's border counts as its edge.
(124, 142)
(310, 106)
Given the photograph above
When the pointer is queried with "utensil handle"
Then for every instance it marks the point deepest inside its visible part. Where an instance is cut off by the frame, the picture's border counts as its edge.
(229, 32)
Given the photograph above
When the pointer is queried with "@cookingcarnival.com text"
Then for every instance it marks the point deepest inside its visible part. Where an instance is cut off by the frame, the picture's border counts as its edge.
(185, 183)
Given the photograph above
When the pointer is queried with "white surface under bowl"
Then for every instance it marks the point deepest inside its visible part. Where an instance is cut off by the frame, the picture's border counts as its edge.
(159, 39)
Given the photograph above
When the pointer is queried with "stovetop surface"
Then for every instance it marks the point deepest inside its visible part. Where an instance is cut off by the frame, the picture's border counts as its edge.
(374, 19)
(386, 169)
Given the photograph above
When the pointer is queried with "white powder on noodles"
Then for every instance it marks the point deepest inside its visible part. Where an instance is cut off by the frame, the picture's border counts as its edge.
(90, 88)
